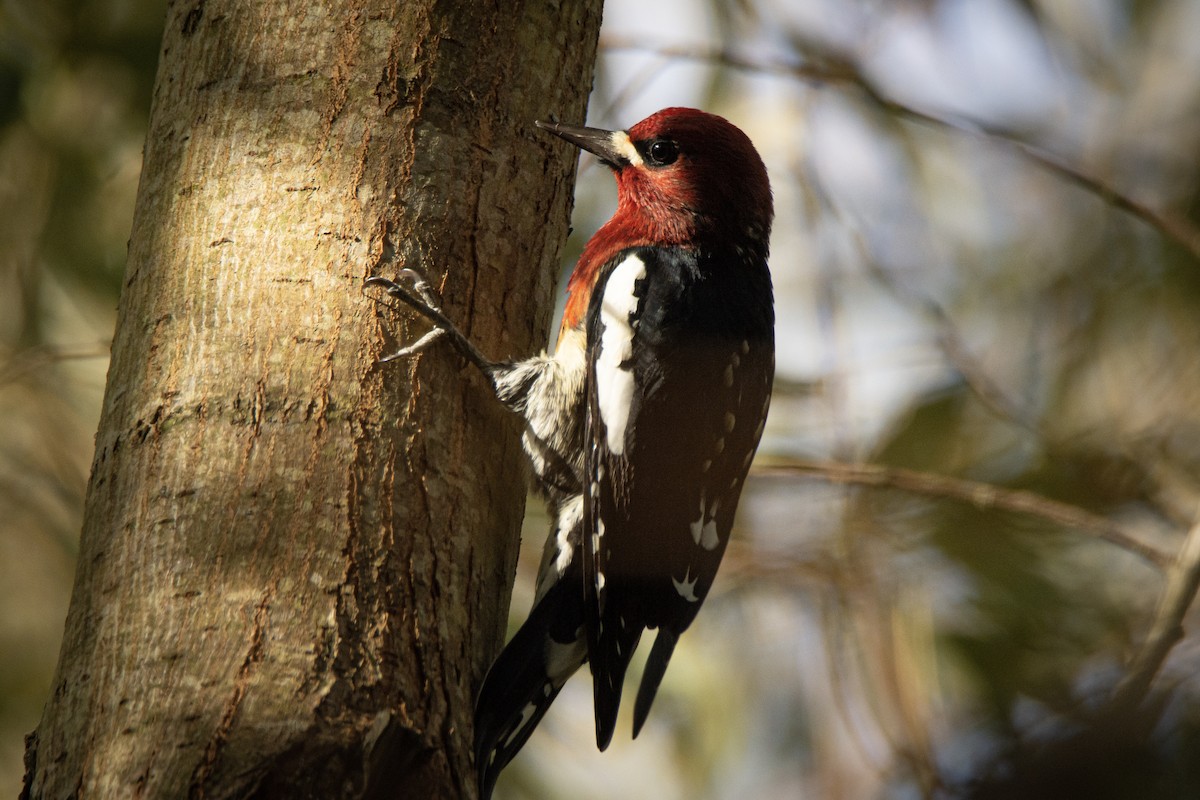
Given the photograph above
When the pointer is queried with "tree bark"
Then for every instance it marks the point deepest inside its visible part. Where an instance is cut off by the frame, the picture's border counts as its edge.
(294, 560)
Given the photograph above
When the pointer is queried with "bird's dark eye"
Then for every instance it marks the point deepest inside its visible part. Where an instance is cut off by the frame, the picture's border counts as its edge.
(661, 152)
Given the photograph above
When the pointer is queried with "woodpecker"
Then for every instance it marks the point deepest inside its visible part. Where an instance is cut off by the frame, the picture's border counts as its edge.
(642, 424)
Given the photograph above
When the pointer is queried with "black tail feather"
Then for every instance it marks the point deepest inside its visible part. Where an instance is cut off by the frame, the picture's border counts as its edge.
(656, 667)
(610, 660)
(524, 680)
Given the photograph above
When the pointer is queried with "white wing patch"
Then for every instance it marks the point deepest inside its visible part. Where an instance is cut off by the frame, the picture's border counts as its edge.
(526, 715)
(686, 587)
(614, 381)
(704, 529)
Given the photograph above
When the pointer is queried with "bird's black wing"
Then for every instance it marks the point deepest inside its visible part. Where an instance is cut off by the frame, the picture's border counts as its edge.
(681, 360)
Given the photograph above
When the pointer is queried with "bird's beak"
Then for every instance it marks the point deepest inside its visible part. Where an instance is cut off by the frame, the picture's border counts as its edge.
(614, 148)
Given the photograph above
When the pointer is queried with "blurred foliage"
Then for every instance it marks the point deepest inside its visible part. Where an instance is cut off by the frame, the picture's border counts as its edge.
(947, 304)
(75, 87)
(986, 259)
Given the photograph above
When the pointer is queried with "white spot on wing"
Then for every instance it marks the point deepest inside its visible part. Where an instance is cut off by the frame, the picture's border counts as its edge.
(686, 588)
(704, 528)
(614, 382)
(697, 527)
(526, 714)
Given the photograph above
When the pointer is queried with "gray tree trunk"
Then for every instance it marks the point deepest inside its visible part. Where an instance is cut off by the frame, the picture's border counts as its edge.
(295, 562)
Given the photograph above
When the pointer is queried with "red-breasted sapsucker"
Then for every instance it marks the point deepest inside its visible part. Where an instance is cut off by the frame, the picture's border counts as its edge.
(642, 424)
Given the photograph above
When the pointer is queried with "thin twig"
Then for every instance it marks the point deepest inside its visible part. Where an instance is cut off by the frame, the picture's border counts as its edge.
(816, 73)
(984, 496)
(1183, 580)
(1171, 226)
(34, 358)
(840, 71)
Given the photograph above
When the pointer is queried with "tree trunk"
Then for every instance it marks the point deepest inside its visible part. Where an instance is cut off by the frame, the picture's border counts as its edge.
(294, 560)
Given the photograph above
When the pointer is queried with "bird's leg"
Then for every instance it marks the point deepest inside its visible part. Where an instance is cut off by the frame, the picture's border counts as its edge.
(422, 299)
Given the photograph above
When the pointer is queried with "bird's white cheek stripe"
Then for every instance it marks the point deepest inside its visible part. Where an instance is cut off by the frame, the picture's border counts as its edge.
(624, 145)
(614, 380)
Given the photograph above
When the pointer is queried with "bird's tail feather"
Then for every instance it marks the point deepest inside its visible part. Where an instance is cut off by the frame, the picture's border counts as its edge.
(610, 659)
(524, 680)
(656, 667)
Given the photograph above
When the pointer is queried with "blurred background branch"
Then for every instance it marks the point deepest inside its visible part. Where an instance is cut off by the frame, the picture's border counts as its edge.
(1183, 578)
(983, 496)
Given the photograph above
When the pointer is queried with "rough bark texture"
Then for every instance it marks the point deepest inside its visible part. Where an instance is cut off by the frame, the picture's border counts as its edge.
(294, 560)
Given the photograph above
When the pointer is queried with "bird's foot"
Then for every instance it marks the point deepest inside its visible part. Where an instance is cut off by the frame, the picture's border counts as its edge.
(420, 296)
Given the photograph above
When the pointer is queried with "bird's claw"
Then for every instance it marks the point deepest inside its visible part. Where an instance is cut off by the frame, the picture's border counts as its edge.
(420, 297)
(420, 285)
(414, 348)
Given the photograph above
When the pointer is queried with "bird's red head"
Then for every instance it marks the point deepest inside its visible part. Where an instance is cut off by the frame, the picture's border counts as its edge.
(685, 178)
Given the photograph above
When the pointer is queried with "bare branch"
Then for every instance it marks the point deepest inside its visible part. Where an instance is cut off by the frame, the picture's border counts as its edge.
(1172, 226)
(32, 359)
(838, 70)
(1183, 579)
(984, 496)
(825, 72)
